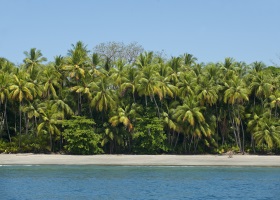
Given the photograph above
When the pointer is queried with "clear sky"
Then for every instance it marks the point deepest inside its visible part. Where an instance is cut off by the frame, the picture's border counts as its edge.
(246, 30)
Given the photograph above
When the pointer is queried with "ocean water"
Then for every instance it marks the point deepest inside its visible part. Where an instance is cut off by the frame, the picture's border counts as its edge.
(135, 182)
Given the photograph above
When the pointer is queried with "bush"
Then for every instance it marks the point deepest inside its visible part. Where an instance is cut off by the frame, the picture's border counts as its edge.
(80, 137)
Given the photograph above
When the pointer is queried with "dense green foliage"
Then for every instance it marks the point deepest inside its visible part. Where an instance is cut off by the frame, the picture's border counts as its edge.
(120, 99)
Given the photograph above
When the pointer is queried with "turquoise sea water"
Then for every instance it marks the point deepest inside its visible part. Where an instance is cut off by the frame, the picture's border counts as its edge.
(127, 182)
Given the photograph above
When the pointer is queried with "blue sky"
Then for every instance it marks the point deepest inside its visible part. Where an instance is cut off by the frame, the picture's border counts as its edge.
(246, 30)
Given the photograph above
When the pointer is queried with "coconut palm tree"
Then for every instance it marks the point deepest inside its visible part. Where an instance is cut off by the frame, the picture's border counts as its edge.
(236, 94)
(34, 58)
(6, 66)
(207, 91)
(130, 82)
(31, 112)
(126, 115)
(268, 133)
(52, 113)
(261, 86)
(77, 66)
(51, 82)
(186, 85)
(275, 102)
(48, 123)
(189, 59)
(4, 95)
(21, 90)
(191, 117)
(149, 85)
(118, 73)
(104, 97)
(144, 59)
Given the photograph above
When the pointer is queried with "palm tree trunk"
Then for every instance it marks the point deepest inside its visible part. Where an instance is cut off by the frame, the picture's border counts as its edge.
(177, 139)
(6, 120)
(19, 141)
(190, 144)
(243, 137)
(146, 101)
(26, 123)
(51, 141)
(156, 106)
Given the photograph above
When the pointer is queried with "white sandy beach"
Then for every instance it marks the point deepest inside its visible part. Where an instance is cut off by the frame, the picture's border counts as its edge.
(141, 160)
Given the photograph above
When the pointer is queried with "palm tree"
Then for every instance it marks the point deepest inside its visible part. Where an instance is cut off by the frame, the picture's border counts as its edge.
(20, 90)
(236, 94)
(207, 91)
(186, 85)
(126, 115)
(261, 86)
(52, 112)
(104, 97)
(51, 82)
(77, 64)
(175, 64)
(4, 95)
(31, 112)
(268, 133)
(167, 88)
(34, 58)
(6, 66)
(49, 123)
(191, 117)
(118, 73)
(130, 82)
(148, 84)
(189, 59)
(144, 59)
(275, 102)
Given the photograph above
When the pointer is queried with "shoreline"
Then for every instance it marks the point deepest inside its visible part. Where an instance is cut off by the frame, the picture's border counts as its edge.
(140, 160)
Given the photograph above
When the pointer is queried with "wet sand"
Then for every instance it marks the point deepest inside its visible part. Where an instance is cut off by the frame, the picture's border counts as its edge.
(140, 160)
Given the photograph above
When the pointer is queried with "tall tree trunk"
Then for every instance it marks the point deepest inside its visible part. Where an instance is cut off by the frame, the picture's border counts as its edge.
(156, 106)
(19, 141)
(51, 142)
(177, 139)
(243, 136)
(146, 101)
(6, 120)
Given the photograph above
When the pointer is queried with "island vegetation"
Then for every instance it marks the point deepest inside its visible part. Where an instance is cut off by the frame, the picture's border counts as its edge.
(122, 99)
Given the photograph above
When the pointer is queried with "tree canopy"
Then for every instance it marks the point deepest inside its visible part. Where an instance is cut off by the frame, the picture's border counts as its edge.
(120, 98)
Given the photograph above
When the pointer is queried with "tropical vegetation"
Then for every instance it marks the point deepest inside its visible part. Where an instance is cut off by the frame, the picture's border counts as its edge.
(121, 99)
